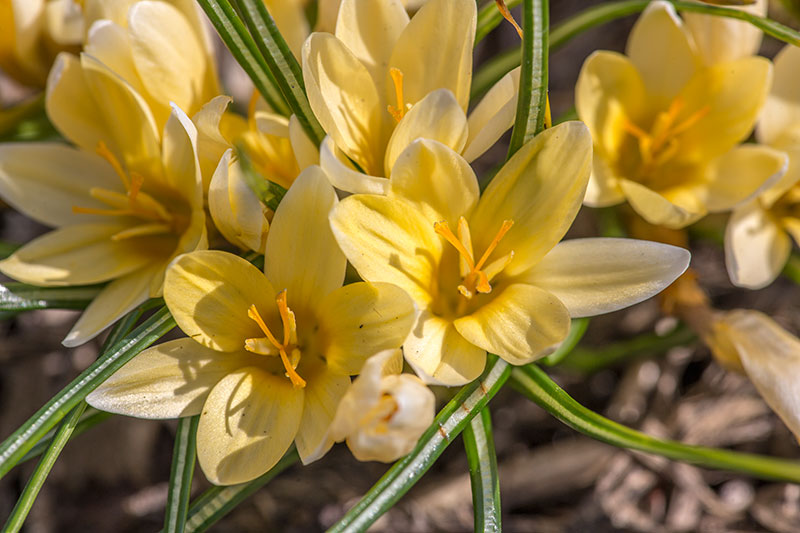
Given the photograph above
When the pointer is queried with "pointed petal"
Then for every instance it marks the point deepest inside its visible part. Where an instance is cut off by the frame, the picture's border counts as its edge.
(493, 115)
(660, 211)
(179, 156)
(742, 174)
(301, 254)
(446, 47)
(343, 175)
(603, 189)
(720, 39)
(209, 293)
(440, 355)
(597, 276)
(109, 43)
(361, 319)
(522, 323)
(388, 240)
(541, 189)
(756, 247)
(170, 380)
(248, 422)
(782, 108)
(436, 180)
(322, 395)
(211, 143)
(46, 180)
(437, 117)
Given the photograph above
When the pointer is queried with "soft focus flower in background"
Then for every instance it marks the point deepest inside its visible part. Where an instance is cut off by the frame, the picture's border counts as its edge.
(488, 274)
(263, 375)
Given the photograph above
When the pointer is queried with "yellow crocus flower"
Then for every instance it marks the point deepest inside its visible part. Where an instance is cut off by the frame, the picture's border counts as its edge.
(124, 203)
(758, 239)
(666, 126)
(488, 273)
(383, 80)
(269, 355)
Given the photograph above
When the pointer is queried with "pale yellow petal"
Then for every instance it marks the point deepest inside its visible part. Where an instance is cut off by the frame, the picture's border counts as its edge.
(82, 254)
(437, 181)
(247, 424)
(662, 49)
(756, 247)
(179, 158)
(209, 293)
(603, 189)
(541, 189)
(170, 380)
(440, 355)
(361, 319)
(343, 175)
(437, 117)
(305, 151)
(789, 144)
(46, 180)
(720, 39)
(597, 276)
(211, 144)
(388, 240)
(742, 174)
(110, 44)
(782, 108)
(493, 115)
(658, 210)
(522, 323)
(344, 99)
(301, 254)
(443, 33)
(322, 395)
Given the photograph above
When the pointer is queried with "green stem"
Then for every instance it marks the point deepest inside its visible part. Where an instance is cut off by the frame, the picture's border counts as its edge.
(19, 297)
(482, 459)
(180, 477)
(538, 387)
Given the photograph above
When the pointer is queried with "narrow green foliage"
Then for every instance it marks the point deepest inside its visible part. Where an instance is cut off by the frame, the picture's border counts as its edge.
(576, 331)
(8, 248)
(180, 477)
(268, 192)
(479, 444)
(18, 297)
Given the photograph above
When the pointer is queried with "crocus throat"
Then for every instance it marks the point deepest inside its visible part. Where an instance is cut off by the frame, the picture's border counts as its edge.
(475, 276)
(135, 203)
(268, 345)
(402, 108)
(379, 416)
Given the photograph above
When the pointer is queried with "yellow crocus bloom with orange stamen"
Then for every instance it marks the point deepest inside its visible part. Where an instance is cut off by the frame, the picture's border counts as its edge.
(382, 80)
(517, 298)
(667, 119)
(269, 355)
(124, 203)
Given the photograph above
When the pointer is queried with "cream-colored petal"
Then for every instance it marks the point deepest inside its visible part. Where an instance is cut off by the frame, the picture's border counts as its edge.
(541, 189)
(437, 117)
(209, 293)
(662, 49)
(46, 180)
(247, 424)
(742, 174)
(361, 319)
(440, 355)
(790, 145)
(344, 99)
(170, 380)
(720, 39)
(114, 301)
(343, 176)
(771, 357)
(657, 209)
(446, 47)
(493, 115)
(235, 209)
(603, 189)
(609, 92)
(110, 44)
(301, 254)
(388, 240)
(782, 108)
(179, 157)
(322, 395)
(305, 151)
(756, 247)
(599, 275)
(211, 144)
(82, 254)
(437, 181)
(522, 323)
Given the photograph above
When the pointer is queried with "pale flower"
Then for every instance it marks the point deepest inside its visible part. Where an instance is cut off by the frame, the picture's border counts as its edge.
(269, 355)
(383, 80)
(384, 413)
(720, 39)
(487, 272)
(667, 126)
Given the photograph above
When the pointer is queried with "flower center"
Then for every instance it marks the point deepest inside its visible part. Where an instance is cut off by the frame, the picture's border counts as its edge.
(268, 345)
(379, 416)
(402, 108)
(475, 276)
(660, 144)
(156, 218)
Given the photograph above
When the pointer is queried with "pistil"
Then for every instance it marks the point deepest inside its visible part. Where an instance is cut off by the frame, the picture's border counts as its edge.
(402, 108)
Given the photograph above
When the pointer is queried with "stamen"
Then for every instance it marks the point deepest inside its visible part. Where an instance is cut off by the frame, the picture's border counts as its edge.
(492, 245)
(443, 229)
(503, 8)
(397, 78)
(103, 151)
(78, 210)
(136, 185)
(141, 231)
(287, 316)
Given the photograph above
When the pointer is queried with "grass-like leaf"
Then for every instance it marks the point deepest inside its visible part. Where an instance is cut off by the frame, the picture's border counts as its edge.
(536, 385)
(479, 444)
(180, 477)
(576, 330)
(268, 192)
(19, 297)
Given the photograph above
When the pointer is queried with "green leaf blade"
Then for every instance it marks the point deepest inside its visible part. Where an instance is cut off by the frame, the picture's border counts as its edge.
(181, 473)
(484, 479)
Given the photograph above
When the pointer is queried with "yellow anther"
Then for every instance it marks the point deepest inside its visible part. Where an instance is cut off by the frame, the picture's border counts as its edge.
(503, 8)
(397, 78)
(289, 332)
